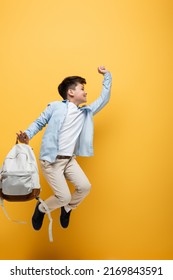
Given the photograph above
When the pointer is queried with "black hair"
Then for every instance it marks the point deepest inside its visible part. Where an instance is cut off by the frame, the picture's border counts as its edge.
(69, 82)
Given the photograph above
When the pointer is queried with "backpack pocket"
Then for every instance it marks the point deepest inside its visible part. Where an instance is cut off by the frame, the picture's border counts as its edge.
(17, 184)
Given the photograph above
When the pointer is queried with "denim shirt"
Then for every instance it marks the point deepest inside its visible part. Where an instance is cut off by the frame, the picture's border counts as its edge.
(54, 115)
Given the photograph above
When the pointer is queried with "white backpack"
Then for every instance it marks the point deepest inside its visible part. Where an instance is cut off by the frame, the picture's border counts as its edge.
(19, 178)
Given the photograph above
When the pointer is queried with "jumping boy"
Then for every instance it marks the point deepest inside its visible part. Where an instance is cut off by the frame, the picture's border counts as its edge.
(69, 133)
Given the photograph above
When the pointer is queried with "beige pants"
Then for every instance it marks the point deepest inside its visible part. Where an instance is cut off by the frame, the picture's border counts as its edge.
(56, 174)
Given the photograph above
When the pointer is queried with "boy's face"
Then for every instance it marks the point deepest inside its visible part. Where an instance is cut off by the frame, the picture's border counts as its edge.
(78, 94)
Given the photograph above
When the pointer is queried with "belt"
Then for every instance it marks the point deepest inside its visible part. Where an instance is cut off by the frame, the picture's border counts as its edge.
(63, 157)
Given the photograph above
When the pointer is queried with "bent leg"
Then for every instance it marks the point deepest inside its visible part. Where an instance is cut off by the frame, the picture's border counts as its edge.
(75, 174)
(54, 174)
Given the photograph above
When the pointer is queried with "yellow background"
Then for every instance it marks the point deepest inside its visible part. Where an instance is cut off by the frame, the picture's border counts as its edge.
(128, 214)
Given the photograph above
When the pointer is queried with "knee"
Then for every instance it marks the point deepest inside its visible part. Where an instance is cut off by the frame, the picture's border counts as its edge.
(85, 188)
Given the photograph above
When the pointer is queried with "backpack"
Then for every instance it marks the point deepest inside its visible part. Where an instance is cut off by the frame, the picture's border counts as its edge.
(19, 178)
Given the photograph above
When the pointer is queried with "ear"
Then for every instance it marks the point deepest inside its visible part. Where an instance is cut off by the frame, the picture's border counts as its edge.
(70, 92)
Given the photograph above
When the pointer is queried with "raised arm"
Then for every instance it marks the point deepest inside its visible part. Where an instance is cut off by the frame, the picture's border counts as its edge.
(104, 97)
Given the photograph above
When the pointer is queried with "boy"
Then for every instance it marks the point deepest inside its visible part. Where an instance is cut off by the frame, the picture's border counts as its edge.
(69, 133)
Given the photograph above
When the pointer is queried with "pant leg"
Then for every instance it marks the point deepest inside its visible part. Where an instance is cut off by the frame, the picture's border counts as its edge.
(54, 174)
(74, 173)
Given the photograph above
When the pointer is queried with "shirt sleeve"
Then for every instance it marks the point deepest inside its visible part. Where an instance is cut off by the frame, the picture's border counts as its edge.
(40, 122)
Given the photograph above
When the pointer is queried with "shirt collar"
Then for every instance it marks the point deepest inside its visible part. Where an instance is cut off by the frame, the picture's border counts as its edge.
(84, 107)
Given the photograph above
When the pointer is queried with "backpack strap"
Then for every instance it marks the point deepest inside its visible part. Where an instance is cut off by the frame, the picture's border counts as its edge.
(49, 216)
(3, 208)
(6, 214)
(24, 222)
